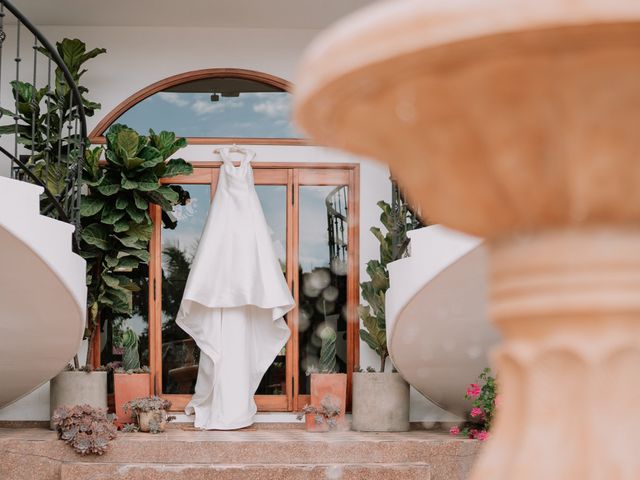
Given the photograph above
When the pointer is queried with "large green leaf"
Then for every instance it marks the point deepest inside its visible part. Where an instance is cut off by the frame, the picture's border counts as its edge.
(126, 145)
(140, 202)
(140, 253)
(108, 189)
(123, 201)
(151, 157)
(140, 231)
(136, 215)
(96, 234)
(121, 225)
(91, 205)
(127, 263)
(133, 162)
(110, 214)
(176, 166)
(131, 242)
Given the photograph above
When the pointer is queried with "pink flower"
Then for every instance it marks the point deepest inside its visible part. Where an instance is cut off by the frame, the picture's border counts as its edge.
(482, 436)
(473, 390)
(476, 412)
(454, 430)
(472, 433)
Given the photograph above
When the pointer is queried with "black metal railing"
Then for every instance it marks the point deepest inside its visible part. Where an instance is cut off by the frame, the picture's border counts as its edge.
(47, 122)
(337, 228)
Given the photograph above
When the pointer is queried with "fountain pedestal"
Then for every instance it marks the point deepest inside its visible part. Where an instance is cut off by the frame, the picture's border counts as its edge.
(518, 122)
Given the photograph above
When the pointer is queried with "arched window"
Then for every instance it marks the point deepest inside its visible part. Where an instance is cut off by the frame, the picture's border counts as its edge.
(211, 106)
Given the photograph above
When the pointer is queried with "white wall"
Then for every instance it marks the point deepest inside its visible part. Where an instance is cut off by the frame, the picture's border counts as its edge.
(137, 57)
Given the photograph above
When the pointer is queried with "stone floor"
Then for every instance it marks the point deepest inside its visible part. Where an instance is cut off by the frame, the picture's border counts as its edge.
(250, 454)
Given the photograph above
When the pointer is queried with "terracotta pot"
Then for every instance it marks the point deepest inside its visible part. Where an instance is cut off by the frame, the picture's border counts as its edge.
(129, 386)
(145, 419)
(328, 387)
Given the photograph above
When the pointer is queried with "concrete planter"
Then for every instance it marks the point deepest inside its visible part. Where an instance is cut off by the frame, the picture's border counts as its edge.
(129, 386)
(78, 388)
(380, 402)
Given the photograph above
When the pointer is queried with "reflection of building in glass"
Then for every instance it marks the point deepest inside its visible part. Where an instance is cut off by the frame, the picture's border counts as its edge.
(337, 210)
(323, 289)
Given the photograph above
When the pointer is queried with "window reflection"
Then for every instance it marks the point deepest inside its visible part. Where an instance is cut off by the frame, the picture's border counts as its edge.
(273, 199)
(216, 107)
(180, 354)
(323, 274)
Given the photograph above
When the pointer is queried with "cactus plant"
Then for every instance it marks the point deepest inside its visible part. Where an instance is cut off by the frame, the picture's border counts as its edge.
(131, 356)
(328, 350)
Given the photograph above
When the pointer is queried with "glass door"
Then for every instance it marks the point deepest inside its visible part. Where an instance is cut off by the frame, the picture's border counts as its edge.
(310, 213)
(326, 264)
(176, 354)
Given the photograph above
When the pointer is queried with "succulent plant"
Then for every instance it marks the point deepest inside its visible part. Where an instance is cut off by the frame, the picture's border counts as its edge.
(131, 356)
(328, 412)
(87, 429)
(147, 404)
(156, 406)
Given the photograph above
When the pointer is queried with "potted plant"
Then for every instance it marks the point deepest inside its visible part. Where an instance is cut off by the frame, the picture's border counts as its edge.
(328, 389)
(150, 413)
(87, 429)
(117, 227)
(74, 385)
(381, 399)
(129, 381)
(322, 418)
(40, 106)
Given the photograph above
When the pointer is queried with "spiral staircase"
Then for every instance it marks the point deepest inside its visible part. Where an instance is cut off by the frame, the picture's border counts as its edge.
(42, 279)
(438, 333)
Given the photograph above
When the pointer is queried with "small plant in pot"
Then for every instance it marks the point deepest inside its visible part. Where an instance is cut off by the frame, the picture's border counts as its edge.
(381, 399)
(129, 381)
(328, 389)
(149, 413)
(85, 428)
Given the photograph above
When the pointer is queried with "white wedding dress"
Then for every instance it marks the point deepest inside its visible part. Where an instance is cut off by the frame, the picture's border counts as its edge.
(234, 302)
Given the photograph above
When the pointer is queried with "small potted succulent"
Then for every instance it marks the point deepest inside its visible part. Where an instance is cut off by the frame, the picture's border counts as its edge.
(86, 429)
(150, 413)
(328, 388)
(129, 381)
(323, 418)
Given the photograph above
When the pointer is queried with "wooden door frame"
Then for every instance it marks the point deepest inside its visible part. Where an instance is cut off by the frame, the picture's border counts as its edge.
(297, 174)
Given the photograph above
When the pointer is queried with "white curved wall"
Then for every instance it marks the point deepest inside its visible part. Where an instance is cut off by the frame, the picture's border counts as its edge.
(437, 327)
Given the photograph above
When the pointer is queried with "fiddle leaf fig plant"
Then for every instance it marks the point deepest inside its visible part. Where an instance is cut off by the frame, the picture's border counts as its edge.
(43, 112)
(397, 219)
(115, 218)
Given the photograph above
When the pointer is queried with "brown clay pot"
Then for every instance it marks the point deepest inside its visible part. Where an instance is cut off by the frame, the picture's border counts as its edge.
(330, 387)
(146, 418)
(129, 386)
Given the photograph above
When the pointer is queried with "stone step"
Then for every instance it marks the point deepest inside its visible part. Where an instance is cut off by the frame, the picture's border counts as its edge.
(36, 453)
(291, 471)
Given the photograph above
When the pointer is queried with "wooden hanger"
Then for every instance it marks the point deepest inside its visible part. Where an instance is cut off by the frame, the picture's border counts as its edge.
(232, 149)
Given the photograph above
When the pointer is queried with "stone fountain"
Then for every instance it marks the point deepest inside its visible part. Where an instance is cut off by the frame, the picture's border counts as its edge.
(517, 121)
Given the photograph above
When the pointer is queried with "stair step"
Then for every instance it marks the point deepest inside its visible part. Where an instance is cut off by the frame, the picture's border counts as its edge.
(19, 198)
(249, 454)
(110, 471)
